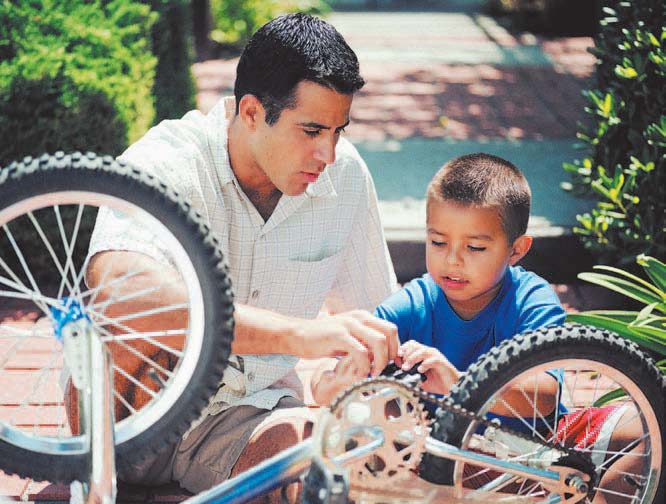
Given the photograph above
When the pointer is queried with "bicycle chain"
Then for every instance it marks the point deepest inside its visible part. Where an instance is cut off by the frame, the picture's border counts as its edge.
(575, 458)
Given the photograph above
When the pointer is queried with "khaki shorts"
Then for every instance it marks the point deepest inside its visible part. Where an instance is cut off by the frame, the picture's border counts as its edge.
(206, 457)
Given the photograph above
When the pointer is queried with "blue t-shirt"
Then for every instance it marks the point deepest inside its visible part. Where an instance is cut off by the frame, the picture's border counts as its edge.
(422, 313)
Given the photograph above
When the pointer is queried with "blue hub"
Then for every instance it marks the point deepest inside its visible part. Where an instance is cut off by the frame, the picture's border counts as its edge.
(71, 311)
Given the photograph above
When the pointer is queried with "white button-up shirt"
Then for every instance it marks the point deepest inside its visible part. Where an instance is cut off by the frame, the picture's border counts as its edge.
(326, 244)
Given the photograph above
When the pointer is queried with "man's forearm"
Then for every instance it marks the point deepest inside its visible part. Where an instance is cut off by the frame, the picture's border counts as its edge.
(259, 331)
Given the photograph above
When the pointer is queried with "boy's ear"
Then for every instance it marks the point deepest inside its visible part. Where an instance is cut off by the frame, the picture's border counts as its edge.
(520, 247)
(250, 111)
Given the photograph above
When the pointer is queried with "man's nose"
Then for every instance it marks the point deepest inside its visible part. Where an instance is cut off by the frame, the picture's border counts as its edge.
(325, 151)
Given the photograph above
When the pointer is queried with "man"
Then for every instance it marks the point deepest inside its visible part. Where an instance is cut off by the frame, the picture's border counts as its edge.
(296, 211)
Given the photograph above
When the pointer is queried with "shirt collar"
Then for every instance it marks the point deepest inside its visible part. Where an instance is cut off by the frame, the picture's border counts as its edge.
(222, 114)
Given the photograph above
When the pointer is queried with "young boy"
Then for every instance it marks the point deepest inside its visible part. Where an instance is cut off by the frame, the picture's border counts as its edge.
(473, 296)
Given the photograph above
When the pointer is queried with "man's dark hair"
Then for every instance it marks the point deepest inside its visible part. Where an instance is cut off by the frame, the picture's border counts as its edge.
(486, 181)
(290, 49)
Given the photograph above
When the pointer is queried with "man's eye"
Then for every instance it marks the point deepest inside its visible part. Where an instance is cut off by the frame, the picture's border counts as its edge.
(337, 132)
(312, 133)
(477, 249)
(437, 244)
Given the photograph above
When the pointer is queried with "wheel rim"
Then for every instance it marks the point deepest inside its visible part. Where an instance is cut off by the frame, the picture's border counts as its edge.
(43, 397)
(586, 382)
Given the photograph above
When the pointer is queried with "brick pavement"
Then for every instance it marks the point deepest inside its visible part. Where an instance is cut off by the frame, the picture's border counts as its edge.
(444, 101)
(430, 97)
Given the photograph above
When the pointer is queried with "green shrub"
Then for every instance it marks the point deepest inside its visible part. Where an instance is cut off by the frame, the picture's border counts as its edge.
(73, 76)
(625, 167)
(646, 327)
(236, 20)
(174, 88)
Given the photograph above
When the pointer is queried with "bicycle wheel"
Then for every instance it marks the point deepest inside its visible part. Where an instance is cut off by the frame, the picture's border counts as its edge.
(593, 367)
(176, 327)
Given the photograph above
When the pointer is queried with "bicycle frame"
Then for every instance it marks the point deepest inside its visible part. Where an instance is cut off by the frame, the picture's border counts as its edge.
(289, 465)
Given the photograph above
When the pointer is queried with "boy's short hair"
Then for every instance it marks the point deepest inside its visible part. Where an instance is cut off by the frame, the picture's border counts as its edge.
(290, 49)
(485, 181)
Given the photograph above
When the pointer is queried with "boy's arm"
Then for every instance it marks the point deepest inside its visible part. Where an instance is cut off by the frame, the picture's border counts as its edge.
(535, 395)
(540, 307)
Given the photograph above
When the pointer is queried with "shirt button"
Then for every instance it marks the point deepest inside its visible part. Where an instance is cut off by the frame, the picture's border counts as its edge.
(250, 376)
(255, 294)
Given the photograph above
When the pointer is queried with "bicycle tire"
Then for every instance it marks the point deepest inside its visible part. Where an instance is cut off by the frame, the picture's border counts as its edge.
(188, 382)
(581, 346)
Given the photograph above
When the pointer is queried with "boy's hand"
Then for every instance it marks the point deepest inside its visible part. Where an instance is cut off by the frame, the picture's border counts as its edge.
(327, 383)
(440, 373)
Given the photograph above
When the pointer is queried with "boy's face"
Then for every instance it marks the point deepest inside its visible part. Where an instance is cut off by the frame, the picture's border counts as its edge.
(295, 150)
(467, 254)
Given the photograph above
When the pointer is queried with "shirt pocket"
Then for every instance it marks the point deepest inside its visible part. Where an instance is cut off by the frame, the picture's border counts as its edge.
(300, 287)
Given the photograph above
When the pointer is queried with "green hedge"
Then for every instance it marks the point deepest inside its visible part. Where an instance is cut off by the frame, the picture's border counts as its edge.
(236, 20)
(625, 166)
(74, 76)
(174, 89)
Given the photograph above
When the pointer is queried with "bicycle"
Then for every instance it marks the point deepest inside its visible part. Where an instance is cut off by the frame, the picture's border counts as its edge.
(378, 434)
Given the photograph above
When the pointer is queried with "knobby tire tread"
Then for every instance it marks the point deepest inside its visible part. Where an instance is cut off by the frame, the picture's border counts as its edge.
(104, 174)
(511, 357)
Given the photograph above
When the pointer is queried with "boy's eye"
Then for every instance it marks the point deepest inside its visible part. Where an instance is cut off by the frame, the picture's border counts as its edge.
(337, 132)
(437, 243)
(477, 249)
(312, 133)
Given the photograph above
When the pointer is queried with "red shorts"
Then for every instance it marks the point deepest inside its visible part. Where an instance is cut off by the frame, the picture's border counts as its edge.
(581, 428)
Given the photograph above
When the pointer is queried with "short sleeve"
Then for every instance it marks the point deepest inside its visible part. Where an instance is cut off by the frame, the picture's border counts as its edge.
(171, 152)
(540, 306)
(117, 231)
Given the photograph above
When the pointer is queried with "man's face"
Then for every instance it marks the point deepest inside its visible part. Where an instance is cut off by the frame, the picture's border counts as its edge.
(467, 254)
(295, 150)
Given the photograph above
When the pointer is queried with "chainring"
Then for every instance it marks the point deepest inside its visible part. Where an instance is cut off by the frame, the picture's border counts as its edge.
(387, 403)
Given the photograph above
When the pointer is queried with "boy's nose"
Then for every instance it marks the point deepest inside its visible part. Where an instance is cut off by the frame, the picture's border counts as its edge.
(453, 256)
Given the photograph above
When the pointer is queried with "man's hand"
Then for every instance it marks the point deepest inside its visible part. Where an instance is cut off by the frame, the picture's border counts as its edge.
(369, 342)
(440, 373)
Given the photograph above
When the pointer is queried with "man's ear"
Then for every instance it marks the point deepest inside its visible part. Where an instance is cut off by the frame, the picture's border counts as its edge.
(520, 247)
(251, 111)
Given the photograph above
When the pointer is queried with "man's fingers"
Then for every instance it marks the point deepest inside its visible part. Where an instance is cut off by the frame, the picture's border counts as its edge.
(374, 340)
(356, 352)
(385, 328)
